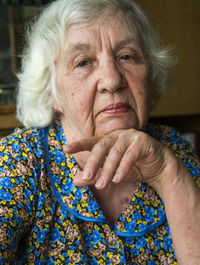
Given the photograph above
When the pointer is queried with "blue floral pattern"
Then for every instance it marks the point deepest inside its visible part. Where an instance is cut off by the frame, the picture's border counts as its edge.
(46, 219)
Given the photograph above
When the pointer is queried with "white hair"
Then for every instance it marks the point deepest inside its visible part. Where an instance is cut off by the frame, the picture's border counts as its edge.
(37, 81)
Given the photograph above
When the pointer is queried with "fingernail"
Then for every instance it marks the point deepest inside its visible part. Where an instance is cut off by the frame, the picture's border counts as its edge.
(99, 183)
(115, 178)
(86, 174)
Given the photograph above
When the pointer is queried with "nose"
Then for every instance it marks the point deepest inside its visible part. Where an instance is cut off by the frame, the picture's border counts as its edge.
(110, 77)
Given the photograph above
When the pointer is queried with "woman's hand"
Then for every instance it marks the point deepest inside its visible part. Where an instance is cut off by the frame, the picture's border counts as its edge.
(123, 155)
(130, 155)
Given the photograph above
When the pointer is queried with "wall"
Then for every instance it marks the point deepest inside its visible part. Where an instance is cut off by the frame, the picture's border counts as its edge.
(178, 24)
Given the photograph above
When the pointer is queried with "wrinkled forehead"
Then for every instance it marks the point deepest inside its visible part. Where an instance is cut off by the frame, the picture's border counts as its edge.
(108, 18)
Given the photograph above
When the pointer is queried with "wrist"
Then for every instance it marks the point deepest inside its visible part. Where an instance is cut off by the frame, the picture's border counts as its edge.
(172, 173)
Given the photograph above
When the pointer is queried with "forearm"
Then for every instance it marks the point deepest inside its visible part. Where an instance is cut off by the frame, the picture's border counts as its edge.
(181, 196)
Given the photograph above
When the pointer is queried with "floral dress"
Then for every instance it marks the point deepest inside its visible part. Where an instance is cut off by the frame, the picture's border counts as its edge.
(46, 219)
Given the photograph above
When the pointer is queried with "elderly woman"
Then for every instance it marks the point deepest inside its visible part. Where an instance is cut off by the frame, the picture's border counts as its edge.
(88, 180)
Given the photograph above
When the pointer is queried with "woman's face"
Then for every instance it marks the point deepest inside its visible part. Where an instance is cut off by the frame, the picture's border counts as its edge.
(101, 77)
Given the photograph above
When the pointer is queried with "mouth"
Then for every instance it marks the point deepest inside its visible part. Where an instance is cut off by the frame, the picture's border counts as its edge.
(118, 108)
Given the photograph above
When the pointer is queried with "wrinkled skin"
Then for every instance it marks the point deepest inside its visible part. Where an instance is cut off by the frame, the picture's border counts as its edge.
(123, 155)
(107, 68)
(102, 65)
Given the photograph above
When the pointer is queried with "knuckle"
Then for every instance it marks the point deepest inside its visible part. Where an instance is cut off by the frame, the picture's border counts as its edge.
(122, 136)
(117, 150)
(101, 144)
(132, 131)
(142, 136)
(129, 154)
(91, 160)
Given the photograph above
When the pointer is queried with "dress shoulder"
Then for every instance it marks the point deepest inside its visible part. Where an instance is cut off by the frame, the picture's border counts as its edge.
(174, 140)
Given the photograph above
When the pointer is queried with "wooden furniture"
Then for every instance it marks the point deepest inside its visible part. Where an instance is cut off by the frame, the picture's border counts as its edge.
(8, 120)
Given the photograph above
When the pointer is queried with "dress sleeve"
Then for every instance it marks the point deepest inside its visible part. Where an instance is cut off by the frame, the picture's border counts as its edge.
(19, 170)
(183, 150)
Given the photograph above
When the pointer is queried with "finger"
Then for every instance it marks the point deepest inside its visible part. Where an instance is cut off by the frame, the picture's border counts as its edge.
(96, 159)
(111, 164)
(127, 165)
(85, 144)
(79, 181)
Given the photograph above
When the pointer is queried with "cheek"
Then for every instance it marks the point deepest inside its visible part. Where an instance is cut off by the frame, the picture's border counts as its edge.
(139, 84)
(81, 97)
(142, 96)
(72, 93)
(140, 92)
(74, 101)
(77, 91)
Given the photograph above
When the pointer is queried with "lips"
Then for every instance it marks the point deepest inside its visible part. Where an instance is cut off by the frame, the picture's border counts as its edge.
(116, 108)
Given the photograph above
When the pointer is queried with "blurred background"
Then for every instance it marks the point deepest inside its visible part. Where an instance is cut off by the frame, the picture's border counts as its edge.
(177, 22)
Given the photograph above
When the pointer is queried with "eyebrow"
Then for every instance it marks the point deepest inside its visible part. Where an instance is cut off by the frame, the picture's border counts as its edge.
(126, 41)
(78, 47)
(73, 48)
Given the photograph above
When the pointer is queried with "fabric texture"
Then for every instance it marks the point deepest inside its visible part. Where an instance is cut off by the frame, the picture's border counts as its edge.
(46, 219)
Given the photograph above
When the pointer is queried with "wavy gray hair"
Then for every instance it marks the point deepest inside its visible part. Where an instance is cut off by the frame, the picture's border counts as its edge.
(37, 86)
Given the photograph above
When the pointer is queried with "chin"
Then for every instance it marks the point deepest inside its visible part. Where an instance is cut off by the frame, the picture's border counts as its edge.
(111, 127)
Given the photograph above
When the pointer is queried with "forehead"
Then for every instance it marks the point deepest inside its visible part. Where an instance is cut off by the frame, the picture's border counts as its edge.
(110, 25)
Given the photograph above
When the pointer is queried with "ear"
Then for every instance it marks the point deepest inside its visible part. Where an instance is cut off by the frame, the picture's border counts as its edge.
(57, 106)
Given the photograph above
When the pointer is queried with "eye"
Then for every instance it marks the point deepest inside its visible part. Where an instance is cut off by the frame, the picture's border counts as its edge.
(83, 63)
(133, 57)
(126, 57)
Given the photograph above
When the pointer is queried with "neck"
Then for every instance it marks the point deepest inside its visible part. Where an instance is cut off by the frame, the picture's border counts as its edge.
(114, 198)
